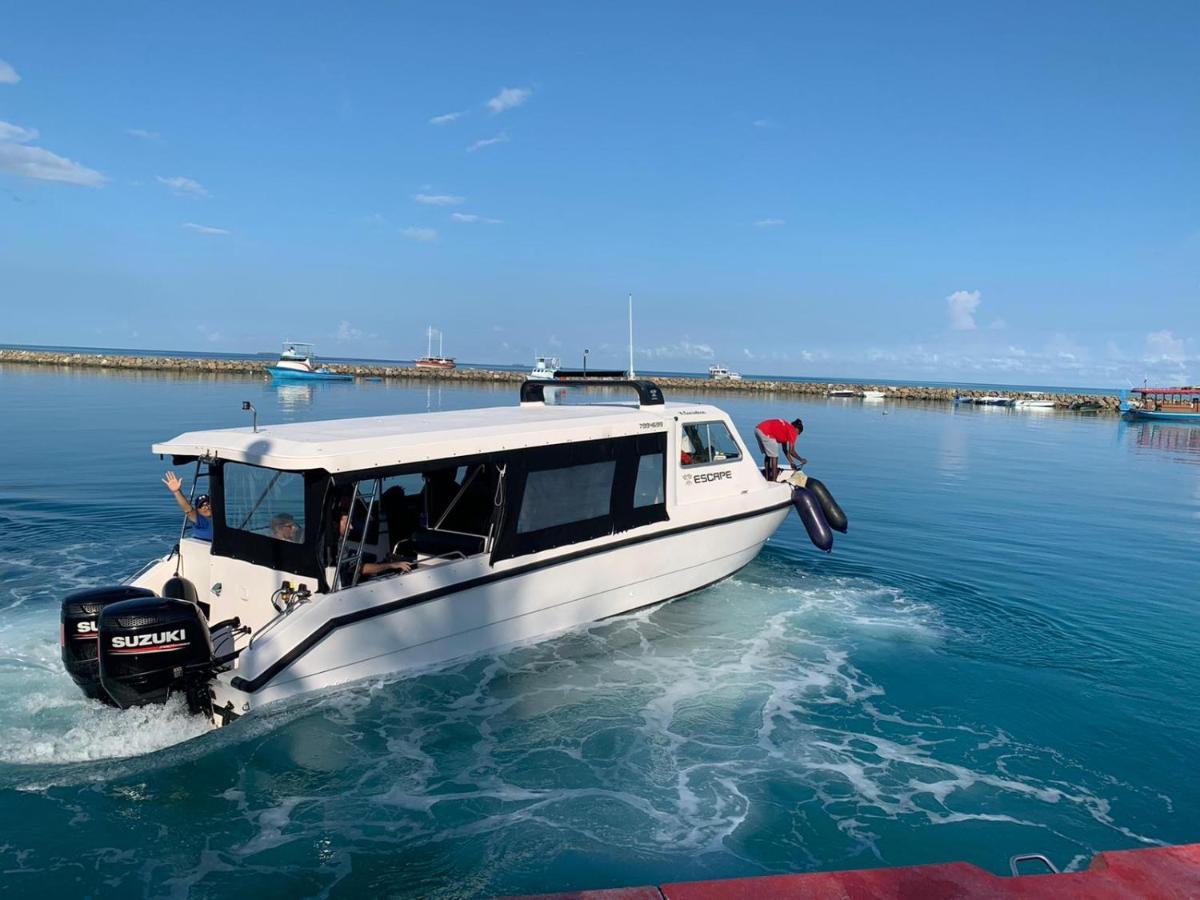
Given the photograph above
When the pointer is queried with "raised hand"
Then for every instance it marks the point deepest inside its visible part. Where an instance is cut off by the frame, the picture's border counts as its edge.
(171, 480)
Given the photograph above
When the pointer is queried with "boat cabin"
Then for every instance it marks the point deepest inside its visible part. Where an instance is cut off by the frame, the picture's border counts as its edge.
(336, 504)
(1168, 400)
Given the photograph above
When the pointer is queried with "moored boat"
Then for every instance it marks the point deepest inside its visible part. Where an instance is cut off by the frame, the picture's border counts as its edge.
(359, 547)
(298, 362)
(1167, 403)
(720, 373)
(429, 361)
(544, 368)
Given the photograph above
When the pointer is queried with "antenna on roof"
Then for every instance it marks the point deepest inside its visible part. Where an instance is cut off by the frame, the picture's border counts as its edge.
(631, 375)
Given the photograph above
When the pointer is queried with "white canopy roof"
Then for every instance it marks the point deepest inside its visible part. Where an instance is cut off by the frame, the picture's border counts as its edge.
(350, 445)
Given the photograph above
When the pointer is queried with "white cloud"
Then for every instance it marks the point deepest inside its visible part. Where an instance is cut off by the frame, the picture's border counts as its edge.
(8, 75)
(508, 98)
(1163, 346)
(501, 138)
(420, 234)
(209, 334)
(472, 218)
(962, 306)
(143, 134)
(17, 157)
(183, 187)
(203, 229)
(17, 134)
(684, 349)
(447, 118)
(439, 199)
(763, 123)
(769, 223)
(347, 332)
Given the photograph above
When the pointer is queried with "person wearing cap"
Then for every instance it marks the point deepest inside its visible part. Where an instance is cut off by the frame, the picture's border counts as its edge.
(773, 434)
(199, 515)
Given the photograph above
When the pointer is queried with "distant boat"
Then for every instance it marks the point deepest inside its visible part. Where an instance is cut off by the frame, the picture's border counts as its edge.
(1180, 404)
(1034, 404)
(429, 361)
(297, 362)
(720, 373)
(874, 395)
(544, 368)
(988, 400)
(845, 392)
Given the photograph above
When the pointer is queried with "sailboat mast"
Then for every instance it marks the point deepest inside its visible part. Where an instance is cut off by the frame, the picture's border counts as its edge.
(428, 341)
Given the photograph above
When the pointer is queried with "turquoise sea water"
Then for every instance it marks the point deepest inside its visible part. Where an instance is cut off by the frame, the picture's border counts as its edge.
(1000, 657)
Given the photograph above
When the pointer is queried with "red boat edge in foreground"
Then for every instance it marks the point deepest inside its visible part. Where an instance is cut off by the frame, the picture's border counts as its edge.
(1161, 872)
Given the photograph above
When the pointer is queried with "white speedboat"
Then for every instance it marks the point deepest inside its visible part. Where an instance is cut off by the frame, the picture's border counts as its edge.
(849, 393)
(544, 368)
(720, 373)
(353, 548)
(874, 396)
(298, 362)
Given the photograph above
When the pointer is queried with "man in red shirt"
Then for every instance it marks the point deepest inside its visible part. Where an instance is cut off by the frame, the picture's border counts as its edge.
(774, 434)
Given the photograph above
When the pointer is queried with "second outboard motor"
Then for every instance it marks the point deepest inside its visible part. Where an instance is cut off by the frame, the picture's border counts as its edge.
(809, 510)
(833, 513)
(153, 647)
(80, 631)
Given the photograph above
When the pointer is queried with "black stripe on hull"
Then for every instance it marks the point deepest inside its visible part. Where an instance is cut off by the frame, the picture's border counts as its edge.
(252, 685)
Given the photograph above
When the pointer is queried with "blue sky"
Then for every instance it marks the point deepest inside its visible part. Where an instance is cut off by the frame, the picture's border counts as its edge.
(928, 190)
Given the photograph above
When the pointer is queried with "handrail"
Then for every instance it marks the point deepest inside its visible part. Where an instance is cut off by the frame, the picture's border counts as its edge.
(649, 394)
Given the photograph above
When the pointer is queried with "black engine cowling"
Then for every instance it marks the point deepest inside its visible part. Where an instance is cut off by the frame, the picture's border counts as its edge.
(153, 647)
(80, 631)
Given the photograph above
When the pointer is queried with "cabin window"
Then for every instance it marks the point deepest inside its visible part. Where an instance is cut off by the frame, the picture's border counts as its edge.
(649, 489)
(702, 443)
(264, 501)
(556, 497)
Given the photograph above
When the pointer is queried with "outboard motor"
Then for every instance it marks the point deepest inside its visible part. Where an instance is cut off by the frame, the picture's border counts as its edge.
(80, 631)
(153, 647)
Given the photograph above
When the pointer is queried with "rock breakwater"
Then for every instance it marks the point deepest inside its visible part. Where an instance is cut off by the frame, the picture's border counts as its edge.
(184, 365)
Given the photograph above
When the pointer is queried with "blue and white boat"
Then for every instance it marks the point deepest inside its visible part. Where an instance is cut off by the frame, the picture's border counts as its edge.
(297, 362)
(1176, 404)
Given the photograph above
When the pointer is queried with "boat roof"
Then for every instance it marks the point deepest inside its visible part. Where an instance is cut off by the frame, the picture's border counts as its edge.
(352, 445)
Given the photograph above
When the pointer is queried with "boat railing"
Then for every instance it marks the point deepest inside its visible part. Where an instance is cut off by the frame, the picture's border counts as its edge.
(649, 393)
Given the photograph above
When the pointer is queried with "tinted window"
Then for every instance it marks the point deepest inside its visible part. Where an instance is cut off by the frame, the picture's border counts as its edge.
(707, 442)
(264, 501)
(573, 494)
(648, 490)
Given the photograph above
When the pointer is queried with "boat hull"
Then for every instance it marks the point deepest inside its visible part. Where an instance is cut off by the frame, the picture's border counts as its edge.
(473, 607)
(1161, 416)
(278, 374)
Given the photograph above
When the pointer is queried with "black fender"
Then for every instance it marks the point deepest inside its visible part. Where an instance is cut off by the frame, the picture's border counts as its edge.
(809, 510)
(833, 513)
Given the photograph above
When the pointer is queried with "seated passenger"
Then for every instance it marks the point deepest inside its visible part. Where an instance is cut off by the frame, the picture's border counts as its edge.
(368, 566)
(285, 528)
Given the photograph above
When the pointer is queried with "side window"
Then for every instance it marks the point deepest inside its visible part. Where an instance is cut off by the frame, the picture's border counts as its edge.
(556, 497)
(707, 442)
(648, 489)
(264, 501)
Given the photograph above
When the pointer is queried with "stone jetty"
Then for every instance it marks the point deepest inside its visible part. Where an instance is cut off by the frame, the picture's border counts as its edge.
(208, 366)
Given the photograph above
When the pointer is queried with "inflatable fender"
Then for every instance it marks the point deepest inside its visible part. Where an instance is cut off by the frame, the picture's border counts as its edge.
(809, 510)
(833, 513)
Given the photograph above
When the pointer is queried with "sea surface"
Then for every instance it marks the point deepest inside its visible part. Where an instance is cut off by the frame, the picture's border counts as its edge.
(999, 658)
